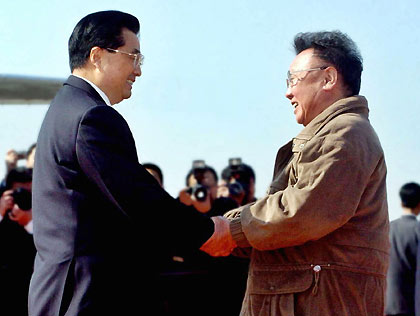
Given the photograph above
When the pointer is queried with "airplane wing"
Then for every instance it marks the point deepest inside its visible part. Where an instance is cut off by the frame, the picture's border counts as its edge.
(15, 89)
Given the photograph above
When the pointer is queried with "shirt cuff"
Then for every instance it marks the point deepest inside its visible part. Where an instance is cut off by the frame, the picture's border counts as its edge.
(237, 233)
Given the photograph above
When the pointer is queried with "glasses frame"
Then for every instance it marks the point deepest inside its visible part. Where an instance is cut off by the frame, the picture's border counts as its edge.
(293, 81)
(137, 58)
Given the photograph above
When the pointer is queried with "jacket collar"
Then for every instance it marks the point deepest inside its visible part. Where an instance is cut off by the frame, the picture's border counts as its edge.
(354, 104)
(82, 84)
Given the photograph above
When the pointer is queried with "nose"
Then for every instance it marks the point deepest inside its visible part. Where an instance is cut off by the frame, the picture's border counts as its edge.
(137, 71)
(289, 93)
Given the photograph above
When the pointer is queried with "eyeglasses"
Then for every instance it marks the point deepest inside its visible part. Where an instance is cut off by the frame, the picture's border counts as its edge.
(137, 58)
(292, 81)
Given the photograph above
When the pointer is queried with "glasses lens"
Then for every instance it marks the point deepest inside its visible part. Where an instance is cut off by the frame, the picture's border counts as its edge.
(138, 61)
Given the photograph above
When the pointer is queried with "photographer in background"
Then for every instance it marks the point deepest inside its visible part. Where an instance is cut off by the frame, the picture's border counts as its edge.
(238, 182)
(13, 157)
(155, 171)
(202, 186)
(191, 269)
(201, 182)
(16, 242)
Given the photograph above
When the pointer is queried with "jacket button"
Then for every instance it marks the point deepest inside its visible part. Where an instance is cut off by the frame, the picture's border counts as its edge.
(301, 146)
(272, 288)
(317, 268)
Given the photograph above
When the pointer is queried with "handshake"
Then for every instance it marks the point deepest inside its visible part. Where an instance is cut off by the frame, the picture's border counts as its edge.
(221, 243)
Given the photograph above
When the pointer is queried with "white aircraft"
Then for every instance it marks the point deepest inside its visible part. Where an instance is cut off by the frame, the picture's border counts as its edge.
(16, 89)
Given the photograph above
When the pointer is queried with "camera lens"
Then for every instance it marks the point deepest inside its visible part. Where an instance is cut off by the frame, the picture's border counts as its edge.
(23, 198)
(235, 189)
(200, 192)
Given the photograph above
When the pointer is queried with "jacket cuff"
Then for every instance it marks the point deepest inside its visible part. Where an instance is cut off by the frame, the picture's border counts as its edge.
(237, 233)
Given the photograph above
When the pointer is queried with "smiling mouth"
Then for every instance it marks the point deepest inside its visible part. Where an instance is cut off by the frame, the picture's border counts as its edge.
(295, 104)
(130, 82)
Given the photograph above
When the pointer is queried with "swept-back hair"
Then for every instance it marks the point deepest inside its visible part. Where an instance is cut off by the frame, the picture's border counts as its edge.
(102, 29)
(337, 49)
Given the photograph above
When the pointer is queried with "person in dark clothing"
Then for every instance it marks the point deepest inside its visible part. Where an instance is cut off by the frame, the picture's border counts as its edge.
(17, 249)
(102, 223)
(404, 237)
(199, 283)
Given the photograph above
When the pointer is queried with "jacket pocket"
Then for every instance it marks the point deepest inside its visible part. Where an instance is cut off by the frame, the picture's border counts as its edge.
(276, 280)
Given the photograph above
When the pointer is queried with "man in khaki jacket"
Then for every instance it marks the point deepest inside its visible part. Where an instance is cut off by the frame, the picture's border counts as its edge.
(318, 240)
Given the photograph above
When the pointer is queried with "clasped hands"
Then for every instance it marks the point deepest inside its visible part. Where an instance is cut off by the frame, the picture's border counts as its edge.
(221, 243)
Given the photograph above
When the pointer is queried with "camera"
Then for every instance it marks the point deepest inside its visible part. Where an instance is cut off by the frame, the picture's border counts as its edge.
(235, 189)
(21, 155)
(23, 198)
(238, 174)
(199, 191)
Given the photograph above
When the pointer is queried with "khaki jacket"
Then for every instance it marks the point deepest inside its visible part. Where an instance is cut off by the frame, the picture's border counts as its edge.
(323, 221)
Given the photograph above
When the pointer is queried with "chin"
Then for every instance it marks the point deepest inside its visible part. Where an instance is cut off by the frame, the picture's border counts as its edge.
(126, 95)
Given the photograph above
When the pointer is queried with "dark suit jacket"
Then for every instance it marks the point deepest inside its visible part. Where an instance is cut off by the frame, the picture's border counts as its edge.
(401, 277)
(102, 224)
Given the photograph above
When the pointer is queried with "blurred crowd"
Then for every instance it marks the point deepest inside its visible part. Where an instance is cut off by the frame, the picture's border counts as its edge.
(190, 278)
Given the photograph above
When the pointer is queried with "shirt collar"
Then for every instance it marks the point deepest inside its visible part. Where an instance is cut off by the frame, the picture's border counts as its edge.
(356, 104)
(101, 93)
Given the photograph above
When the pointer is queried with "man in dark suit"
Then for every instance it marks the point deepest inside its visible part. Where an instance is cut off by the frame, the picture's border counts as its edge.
(404, 238)
(102, 223)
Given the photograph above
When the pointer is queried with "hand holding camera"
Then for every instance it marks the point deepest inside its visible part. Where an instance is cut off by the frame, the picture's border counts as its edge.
(6, 202)
(20, 196)
(187, 198)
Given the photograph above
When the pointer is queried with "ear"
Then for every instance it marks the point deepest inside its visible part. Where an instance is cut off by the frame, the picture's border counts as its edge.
(95, 56)
(330, 78)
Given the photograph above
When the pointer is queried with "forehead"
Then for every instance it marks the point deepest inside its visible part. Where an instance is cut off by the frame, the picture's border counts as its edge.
(209, 175)
(304, 60)
(131, 40)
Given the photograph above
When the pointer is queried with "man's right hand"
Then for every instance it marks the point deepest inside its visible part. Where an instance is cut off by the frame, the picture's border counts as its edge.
(6, 202)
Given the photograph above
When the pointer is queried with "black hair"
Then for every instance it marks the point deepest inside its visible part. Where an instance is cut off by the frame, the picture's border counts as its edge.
(30, 149)
(337, 49)
(245, 171)
(102, 29)
(203, 169)
(410, 195)
(154, 167)
(19, 174)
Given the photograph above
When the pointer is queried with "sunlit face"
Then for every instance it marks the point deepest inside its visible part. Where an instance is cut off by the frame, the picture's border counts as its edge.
(119, 71)
(305, 95)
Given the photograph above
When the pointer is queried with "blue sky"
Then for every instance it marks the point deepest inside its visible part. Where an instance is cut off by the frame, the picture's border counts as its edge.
(213, 81)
